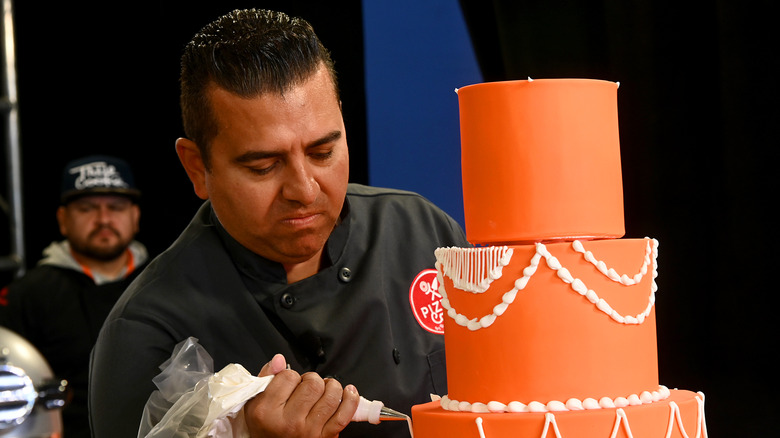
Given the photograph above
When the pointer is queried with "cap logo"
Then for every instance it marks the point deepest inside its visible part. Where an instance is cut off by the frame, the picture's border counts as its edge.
(97, 174)
(425, 300)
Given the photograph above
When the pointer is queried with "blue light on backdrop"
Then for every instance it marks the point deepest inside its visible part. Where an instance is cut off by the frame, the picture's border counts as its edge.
(416, 54)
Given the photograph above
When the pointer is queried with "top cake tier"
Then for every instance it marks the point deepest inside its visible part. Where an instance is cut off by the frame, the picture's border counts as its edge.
(540, 161)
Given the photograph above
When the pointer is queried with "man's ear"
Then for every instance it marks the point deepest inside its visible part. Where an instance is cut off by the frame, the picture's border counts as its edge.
(136, 212)
(61, 220)
(189, 155)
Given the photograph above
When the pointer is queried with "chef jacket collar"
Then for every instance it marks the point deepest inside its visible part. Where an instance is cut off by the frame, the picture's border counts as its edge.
(261, 269)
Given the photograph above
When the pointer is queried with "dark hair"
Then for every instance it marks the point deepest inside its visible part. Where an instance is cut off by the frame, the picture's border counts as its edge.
(246, 52)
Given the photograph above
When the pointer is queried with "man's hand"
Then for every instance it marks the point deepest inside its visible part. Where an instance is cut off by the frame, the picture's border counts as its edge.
(299, 406)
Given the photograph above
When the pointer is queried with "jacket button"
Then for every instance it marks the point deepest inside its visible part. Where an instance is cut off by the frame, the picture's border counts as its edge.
(345, 275)
(396, 356)
(287, 300)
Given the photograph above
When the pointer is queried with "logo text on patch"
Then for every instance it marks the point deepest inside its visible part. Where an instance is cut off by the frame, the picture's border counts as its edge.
(425, 300)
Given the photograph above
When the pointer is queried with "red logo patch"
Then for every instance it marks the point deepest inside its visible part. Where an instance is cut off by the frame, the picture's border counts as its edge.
(425, 300)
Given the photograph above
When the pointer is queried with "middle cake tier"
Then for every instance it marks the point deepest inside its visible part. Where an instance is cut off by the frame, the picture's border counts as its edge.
(550, 322)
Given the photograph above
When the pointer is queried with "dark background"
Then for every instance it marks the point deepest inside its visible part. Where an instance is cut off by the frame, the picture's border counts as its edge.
(698, 120)
(104, 79)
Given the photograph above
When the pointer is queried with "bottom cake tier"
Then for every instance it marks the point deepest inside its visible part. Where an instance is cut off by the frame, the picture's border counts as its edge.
(679, 416)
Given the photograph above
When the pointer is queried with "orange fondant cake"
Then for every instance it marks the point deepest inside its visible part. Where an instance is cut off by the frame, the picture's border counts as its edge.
(679, 416)
(540, 158)
(550, 327)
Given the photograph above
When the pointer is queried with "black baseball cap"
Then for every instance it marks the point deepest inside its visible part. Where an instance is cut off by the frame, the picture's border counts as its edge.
(96, 175)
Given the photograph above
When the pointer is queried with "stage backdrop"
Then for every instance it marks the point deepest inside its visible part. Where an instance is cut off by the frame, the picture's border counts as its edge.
(416, 55)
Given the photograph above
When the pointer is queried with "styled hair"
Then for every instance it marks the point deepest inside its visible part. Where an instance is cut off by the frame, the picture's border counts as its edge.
(248, 53)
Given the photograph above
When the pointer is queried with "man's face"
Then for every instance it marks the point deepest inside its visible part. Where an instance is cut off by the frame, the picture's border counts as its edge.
(99, 227)
(279, 168)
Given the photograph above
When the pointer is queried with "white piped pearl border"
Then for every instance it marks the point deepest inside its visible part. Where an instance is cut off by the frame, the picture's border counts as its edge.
(573, 404)
(621, 419)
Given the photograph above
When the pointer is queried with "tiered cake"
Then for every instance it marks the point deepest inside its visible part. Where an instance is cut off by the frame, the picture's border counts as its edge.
(551, 318)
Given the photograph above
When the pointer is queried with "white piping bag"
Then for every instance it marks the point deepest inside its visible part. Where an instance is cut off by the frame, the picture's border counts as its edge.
(194, 402)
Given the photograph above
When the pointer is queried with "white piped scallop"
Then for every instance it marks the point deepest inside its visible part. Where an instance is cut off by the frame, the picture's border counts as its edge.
(552, 261)
(556, 406)
(474, 325)
(591, 403)
(487, 320)
(565, 275)
(579, 286)
(479, 408)
(516, 406)
(473, 269)
(606, 402)
(495, 406)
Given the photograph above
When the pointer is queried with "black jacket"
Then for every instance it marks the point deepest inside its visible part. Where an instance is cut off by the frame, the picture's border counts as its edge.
(352, 320)
(60, 311)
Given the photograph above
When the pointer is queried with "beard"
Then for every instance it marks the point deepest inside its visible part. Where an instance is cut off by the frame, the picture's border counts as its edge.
(103, 253)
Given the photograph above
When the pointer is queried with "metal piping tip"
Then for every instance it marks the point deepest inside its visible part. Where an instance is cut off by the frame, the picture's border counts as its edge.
(388, 414)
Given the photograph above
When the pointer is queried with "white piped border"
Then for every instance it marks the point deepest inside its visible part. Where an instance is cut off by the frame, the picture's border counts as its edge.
(549, 419)
(573, 404)
(488, 266)
(621, 419)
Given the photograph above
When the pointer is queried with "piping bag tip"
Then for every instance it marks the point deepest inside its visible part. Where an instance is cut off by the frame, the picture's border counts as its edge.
(388, 414)
(375, 411)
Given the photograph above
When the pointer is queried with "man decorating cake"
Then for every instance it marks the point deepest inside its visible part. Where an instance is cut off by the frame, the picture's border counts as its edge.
(286, 264)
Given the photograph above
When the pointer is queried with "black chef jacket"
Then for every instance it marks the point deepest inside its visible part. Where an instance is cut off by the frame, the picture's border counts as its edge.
(352, 321)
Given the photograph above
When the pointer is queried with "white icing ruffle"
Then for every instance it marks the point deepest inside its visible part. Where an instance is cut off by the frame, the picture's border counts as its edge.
(473, 269)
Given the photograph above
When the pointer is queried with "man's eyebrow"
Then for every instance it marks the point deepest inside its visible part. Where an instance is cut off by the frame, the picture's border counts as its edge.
(260, 155)
(250, 156)
(328, 138)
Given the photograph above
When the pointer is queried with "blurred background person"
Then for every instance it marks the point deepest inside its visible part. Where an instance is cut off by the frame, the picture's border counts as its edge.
(60, 304)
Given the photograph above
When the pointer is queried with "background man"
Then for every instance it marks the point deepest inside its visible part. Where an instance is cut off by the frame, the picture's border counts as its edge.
(60, 304)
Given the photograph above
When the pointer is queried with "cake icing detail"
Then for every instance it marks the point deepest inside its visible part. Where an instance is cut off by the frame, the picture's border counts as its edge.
(675, 417)
(621, 418)
(473, 269)
(621, 422)
(549, 419)
(481, 430)
(611, 273)
(701, 425)
(572, 404)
